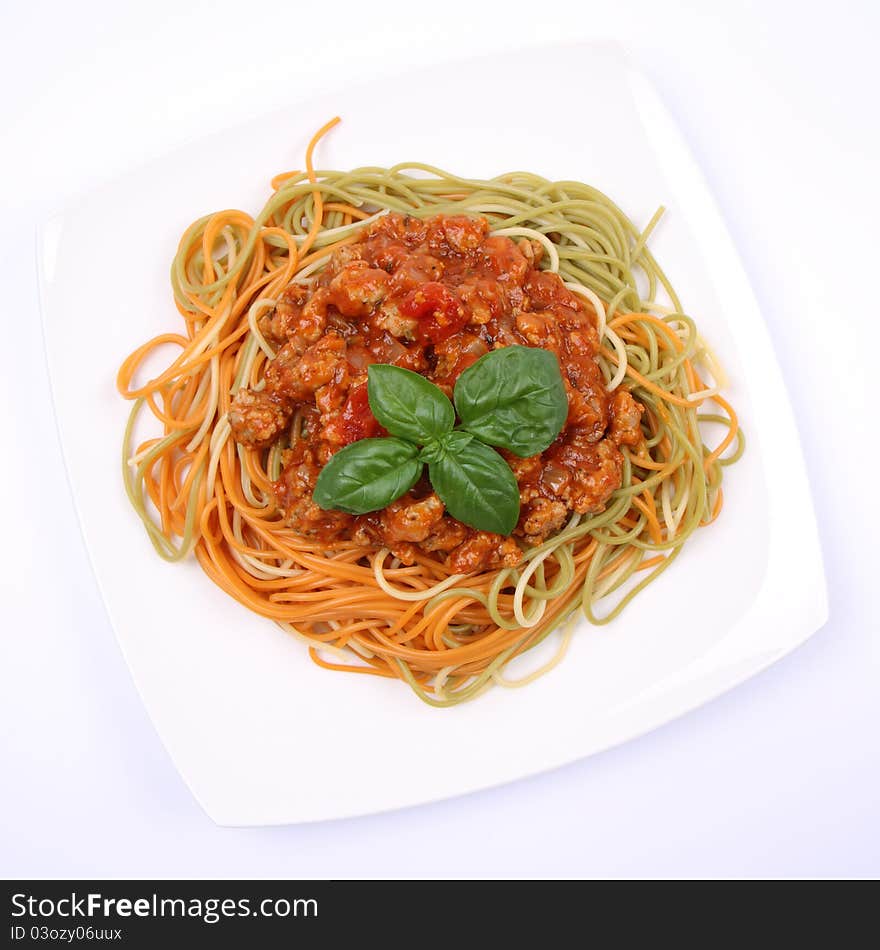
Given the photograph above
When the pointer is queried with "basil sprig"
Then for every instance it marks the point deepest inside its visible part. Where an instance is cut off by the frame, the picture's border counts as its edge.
(513, 398)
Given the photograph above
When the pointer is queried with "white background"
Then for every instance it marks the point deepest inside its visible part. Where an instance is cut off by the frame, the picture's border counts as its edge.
(781, 777)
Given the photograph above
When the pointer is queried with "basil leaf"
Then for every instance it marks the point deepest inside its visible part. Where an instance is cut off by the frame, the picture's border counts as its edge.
(452, 442)
(477, 487)
(367, 475)
(513, 397)
(433, 451)
(457, 440)
(408, 405)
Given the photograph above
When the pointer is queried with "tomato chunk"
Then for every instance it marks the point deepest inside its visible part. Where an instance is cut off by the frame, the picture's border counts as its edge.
(358, 421)
(439, 312)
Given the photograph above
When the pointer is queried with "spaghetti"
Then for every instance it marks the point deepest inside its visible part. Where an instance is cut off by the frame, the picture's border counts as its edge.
(449, 636)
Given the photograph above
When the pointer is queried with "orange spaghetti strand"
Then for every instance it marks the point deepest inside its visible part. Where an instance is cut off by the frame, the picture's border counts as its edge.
(318, 216)
(348, 210)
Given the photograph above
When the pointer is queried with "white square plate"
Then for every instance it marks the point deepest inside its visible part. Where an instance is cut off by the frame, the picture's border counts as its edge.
(259, 733)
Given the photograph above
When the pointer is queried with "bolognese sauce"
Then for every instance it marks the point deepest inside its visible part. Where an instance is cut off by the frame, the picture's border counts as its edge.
(433, 296)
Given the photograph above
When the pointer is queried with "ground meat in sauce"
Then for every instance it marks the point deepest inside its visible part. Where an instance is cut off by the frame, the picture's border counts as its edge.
(432, 296)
